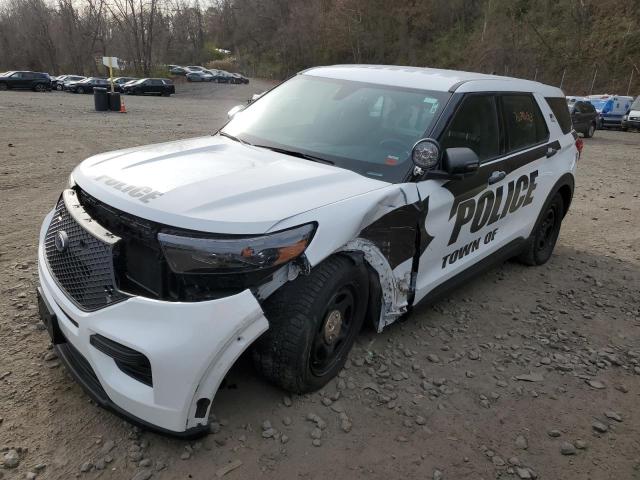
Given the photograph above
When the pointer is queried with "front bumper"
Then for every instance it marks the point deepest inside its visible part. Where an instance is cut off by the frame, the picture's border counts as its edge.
(613, 121)
(631, 124)
(190, 346)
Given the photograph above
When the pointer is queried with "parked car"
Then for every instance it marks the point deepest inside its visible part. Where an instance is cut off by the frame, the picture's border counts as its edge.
(58, 83)
(218, 76)
(25, 80)
(154, 86)
(584, 117)
(199, 77)
(631, 120)
(611, 108)
(240, 78)
(232, 77)
(175, 70)
(346, 195)
(118, 82)
(195, 68)
(86, 85)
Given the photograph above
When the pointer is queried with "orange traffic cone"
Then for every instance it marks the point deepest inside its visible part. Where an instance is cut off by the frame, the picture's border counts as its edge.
(123, 109)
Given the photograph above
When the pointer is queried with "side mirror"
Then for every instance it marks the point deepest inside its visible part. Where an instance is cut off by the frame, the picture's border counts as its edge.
(460, 161)
(234, 111)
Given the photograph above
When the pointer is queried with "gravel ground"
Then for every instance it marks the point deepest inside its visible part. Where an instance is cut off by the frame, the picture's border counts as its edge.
(524, 373)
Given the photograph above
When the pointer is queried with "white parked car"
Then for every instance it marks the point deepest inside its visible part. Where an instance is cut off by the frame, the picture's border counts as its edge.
(344, 196)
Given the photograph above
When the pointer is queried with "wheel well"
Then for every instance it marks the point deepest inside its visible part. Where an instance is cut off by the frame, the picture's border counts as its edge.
(567, 194)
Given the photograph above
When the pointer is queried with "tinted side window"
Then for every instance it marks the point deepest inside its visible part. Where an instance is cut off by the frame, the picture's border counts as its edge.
(561, 112)
(475, 126)
(523, 120)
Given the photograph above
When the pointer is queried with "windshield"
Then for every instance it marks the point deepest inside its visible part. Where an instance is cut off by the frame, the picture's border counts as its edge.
(363, 127)
(636, 104)
(598, 104)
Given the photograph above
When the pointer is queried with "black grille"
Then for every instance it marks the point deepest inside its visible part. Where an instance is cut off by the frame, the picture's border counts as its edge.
(85, 269)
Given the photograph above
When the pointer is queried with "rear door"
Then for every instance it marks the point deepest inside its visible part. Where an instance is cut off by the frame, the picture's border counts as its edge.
(529, 162)
(156, 86)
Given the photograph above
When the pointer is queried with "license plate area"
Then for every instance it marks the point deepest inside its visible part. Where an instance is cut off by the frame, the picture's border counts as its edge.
(49, 320)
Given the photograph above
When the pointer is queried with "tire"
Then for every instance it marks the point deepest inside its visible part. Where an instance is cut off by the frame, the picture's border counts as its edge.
(80, 90)
(624, 129)
(303, 348)
(543, 239)
(59, 87)
(591, 129)
(39, 87)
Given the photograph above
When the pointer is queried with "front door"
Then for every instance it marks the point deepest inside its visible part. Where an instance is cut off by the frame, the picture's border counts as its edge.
(17, 80)
(460, 216)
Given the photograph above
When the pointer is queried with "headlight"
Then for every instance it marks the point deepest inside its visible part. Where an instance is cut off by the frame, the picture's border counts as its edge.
(234, 254)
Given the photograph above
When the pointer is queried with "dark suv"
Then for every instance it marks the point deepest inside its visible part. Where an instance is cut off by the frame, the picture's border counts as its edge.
(584, 118)
(40, 82)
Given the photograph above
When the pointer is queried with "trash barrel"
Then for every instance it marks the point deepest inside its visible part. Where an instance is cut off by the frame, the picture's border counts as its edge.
(100, 99)
(114, 101)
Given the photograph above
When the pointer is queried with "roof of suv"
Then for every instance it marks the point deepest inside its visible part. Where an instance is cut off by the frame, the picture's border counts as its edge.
(431, 79)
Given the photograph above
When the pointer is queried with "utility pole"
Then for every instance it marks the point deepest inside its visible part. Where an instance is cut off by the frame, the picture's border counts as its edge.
(595, 73)
(562, 79)
(634, 67)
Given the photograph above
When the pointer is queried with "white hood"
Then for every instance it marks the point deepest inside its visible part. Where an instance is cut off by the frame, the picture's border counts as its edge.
(215, 184)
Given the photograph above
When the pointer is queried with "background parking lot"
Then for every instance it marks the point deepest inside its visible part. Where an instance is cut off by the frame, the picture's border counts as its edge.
(521, 372)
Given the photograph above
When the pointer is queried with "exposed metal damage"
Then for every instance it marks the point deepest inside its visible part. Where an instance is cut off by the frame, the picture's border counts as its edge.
(395, 291)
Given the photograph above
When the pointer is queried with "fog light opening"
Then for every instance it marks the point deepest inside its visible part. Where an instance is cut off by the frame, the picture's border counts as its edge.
(201, 407)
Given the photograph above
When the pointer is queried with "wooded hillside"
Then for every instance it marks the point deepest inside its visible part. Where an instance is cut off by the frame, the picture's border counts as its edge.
(543, 39)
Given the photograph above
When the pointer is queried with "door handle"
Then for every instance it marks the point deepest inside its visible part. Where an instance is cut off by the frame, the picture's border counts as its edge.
(496, 176)
(551, 152)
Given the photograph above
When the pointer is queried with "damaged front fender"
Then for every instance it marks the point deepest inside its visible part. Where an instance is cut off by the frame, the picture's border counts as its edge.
(385, 226)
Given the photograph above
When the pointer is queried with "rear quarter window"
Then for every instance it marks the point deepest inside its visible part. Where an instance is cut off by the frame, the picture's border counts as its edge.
(524, 123)
(559, 108)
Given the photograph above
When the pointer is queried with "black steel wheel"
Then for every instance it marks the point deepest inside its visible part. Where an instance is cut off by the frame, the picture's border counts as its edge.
(313, 323)
(331, 338)
(590, 130)
(543, 239)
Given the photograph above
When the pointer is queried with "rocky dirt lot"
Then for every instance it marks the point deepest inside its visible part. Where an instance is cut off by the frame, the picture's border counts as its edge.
(523, 373)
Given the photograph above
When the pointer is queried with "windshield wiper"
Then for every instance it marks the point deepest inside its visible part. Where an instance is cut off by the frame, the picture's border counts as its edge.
(295, 153)
(225, 134)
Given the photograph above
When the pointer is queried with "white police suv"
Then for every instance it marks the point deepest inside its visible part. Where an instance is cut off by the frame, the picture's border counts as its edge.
(345, 195)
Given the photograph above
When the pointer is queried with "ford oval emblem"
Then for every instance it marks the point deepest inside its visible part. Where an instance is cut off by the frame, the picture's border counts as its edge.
(61, 241)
